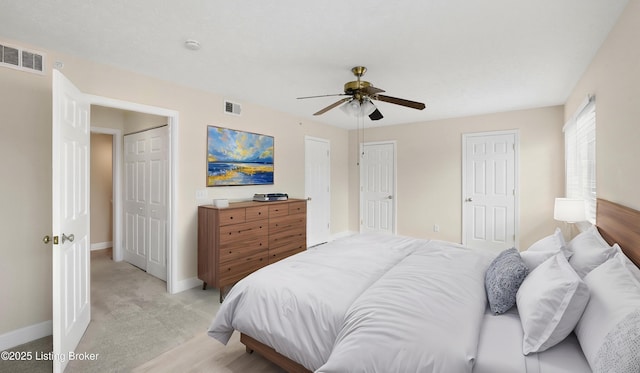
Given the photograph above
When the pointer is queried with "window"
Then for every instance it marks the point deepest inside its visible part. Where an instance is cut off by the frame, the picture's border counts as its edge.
(580, 156)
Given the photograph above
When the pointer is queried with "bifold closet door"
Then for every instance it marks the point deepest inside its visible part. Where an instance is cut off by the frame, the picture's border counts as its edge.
(145, 205)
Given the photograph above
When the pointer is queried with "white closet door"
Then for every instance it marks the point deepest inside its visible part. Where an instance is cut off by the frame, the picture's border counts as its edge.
(317, 188)
(135, 200)
(145, 204)
(377, 188)
(157, 202)
(489, 190)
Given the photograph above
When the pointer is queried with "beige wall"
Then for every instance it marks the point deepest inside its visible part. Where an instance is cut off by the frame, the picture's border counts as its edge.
(101, 188)
(25, 104)
(429, 171)
(614, 78)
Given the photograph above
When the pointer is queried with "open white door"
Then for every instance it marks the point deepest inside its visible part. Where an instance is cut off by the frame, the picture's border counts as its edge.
(71, 249)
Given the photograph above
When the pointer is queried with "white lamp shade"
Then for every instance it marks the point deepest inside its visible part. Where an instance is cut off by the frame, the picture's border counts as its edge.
(352, 107)
(367, 107)
(570, 210)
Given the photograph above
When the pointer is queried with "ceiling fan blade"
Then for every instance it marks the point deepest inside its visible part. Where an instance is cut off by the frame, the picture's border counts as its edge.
(376, 115)
(337, 94)
(371, 90)
(337, 103)
(400, 101)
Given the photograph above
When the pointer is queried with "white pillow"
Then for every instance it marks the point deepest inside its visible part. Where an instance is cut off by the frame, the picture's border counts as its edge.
(550, 302)
(615, 297)
(553, 242)
(533, 259)
(589, 251)
(545, 248)
(628, 264)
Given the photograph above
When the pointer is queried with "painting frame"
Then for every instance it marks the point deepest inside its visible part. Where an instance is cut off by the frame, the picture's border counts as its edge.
(238, 158)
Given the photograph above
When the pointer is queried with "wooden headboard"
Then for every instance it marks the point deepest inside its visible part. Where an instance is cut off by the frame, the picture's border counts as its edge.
(620, 224)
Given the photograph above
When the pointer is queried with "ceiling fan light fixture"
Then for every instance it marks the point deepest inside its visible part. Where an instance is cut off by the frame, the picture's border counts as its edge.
(351, 107)
(367, 107)
(358, 108)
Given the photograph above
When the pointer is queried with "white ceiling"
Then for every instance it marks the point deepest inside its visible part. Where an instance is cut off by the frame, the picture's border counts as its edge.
(458, 57)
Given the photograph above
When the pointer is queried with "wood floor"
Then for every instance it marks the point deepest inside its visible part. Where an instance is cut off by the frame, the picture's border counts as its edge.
(204, 354)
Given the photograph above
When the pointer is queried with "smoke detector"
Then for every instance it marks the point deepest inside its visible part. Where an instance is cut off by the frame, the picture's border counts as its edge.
(191, 44)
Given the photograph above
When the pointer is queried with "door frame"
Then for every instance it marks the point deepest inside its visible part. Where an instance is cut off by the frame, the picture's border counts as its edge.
(172, 122)
(394, 181)
(516, 175)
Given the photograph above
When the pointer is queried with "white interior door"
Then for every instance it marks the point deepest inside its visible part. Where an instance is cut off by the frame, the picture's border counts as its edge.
(157, 202)
(135, 200)
(377, 188)
(145, 206)
(71, 223)
(317, 188)
(489, 190)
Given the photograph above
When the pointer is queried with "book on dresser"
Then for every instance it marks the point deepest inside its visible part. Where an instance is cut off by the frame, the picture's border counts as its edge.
(237, 240)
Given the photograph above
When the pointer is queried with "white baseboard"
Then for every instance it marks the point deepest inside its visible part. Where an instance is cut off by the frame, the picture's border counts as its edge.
(342, 234)
(187, 284)
(25, 335)
(101, 245)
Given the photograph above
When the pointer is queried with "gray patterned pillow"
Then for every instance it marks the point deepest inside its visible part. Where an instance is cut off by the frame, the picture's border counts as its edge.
(620, 351)
(503, 279)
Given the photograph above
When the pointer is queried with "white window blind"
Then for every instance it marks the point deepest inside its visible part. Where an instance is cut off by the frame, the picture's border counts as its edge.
(580, 157)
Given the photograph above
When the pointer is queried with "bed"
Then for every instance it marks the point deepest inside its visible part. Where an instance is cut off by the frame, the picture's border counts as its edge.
(373, 303)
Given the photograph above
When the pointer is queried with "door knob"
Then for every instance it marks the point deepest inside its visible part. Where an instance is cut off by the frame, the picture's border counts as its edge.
(308, 198)
(468, 199)
(389, 197)
(46, 239)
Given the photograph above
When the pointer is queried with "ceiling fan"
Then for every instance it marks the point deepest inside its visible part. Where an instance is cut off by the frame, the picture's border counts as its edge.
(360, 95)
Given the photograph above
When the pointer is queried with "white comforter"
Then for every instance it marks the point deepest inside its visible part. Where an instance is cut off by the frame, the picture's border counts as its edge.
(370, 303)
(423, 315)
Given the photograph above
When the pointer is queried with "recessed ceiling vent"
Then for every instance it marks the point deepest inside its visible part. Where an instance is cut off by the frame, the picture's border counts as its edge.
(232, 108)
(21, 59)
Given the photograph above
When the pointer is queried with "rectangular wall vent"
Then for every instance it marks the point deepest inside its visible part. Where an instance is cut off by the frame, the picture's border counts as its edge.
(232, 108)
(21, 59)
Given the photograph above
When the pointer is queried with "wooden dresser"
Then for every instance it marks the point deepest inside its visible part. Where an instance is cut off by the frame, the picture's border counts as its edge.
(237, 240)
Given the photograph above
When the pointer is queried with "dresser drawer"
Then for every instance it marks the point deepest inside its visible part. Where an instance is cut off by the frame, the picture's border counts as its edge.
(281, 209)
(298, 208)
(232, 216)
(243, 248)
(243, 232)
(287, 249)
(287, 223)
(259, 212)
(235, 270)
(284, 238)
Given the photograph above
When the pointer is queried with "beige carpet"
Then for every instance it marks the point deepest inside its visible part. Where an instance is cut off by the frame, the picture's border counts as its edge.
(136, 323)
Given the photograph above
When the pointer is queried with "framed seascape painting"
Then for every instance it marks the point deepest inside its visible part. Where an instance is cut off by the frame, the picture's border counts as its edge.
(238, 157)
